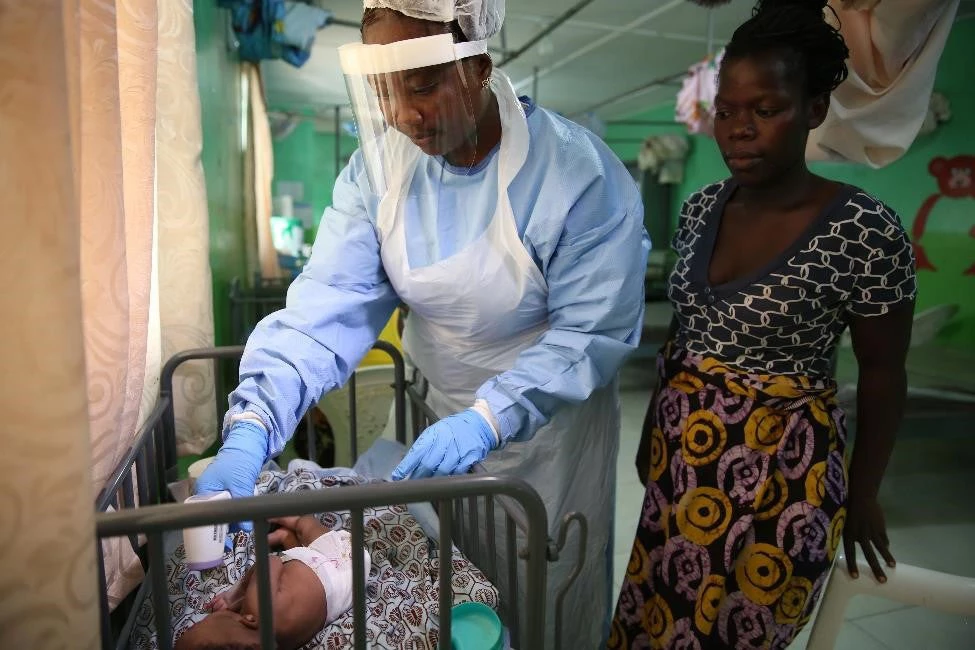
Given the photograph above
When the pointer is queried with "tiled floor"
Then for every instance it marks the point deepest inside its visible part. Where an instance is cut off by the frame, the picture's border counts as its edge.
(930, 518)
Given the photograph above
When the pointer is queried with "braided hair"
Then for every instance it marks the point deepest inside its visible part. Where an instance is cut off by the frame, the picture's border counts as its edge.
(796, 30)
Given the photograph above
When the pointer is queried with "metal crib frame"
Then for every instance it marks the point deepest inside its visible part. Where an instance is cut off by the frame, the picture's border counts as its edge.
(152, 456)
(154, 520)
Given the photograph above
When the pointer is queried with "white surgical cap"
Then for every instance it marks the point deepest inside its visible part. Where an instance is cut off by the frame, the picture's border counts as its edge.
(478, 19)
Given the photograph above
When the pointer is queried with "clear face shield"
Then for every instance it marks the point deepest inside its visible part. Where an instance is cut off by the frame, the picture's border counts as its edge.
(409, 98)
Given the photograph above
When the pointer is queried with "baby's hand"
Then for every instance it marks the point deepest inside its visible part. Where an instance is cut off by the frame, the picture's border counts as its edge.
(291, 523)
(309, 529)
(296, 531)
(283, 538)
(218, 603)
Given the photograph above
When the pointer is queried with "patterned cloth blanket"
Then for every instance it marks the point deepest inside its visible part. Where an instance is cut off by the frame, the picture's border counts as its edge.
(402, 589)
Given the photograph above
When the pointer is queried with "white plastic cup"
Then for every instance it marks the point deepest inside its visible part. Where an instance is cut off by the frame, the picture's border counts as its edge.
(204, 545)
(194, 470)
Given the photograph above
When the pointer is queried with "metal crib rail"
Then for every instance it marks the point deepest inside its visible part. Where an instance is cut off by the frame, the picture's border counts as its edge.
(514, 520)
(152, 456)
(166, 388)
(154, 520)
(144, 464)
(143, 451)
(232, 352)
(155, 457)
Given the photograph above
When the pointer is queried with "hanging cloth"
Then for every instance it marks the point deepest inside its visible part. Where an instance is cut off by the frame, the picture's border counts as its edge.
(275, 29)
(695, 101)
(895, 47)
(664, 157)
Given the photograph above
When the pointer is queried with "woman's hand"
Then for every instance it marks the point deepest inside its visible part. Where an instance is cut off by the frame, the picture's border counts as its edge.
(880, 344)
(865, 526)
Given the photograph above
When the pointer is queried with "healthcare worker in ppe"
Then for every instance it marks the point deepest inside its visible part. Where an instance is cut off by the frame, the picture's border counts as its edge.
(516, 239)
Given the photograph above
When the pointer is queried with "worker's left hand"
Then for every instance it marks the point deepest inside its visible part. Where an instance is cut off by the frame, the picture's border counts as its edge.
(450, 446)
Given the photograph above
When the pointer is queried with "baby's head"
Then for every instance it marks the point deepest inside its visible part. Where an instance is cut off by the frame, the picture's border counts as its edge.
(223, 630)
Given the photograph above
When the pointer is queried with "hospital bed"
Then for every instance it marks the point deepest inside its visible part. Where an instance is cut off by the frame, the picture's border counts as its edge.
(462, 514)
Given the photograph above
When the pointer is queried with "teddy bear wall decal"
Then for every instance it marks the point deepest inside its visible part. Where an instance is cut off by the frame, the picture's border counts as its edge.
(956, 180)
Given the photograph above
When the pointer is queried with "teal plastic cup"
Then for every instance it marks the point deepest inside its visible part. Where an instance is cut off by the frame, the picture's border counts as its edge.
(475, 626)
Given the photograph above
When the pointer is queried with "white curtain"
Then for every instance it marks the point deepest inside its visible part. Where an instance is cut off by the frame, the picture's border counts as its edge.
(185, 285)
(48, 583)
(117, 79)
(260, 172)
(115, 91)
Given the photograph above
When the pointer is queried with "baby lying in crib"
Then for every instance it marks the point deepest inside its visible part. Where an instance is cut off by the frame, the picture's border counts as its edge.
(311, 586)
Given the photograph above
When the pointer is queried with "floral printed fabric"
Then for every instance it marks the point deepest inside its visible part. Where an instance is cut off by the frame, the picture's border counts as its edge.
(402, 590)
(743, 511)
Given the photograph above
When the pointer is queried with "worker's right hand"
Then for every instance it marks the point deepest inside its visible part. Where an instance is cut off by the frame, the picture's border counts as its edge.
(237, 465)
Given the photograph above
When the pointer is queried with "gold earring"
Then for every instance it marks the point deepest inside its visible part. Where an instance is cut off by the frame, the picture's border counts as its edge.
(486, 83)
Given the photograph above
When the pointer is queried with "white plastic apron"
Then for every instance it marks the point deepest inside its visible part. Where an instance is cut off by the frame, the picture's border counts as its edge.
(471, 315)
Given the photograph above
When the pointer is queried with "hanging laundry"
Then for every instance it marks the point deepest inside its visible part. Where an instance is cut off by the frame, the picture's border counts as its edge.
(275, 29)
(876, 114)
(695, 101)
(939, 112)
(664, 157)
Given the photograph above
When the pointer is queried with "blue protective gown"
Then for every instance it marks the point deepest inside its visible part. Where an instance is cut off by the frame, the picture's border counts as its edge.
(580, 217)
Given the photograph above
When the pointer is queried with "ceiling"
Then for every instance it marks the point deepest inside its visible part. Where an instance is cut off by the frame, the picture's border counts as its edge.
(604, 59)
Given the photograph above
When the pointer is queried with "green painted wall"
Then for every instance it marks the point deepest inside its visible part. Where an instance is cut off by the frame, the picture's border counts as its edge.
(949, 238)
(223, 156)
(308, 156)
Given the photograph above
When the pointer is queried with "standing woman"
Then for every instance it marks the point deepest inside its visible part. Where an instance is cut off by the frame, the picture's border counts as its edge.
(516, 239)
(744, 446)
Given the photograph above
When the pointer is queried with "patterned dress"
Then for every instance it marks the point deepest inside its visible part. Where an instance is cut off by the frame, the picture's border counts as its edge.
(745, 503)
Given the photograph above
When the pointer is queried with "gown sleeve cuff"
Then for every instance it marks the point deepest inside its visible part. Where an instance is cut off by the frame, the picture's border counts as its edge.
(245, 412)
(512, 420)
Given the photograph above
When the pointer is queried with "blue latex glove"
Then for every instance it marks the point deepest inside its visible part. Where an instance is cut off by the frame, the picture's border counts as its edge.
(450, 446)
(237, 465)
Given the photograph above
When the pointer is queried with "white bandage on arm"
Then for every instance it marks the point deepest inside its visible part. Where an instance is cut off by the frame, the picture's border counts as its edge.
(481, 408)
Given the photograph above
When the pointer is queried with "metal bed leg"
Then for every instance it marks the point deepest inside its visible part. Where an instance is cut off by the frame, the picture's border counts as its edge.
(564, 590)
(458, 515)
(263, 568)
(475, 534)
(103, 599)
(123, 640)
(128, 501)
(446, 561)
(358, 580)
(152, 460)
(353, 424)
(160, 594)
(142, 478)
(512, 540)
(492, 531)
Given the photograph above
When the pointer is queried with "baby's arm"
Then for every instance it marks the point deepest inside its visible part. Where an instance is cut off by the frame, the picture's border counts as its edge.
(308, 529)
(296, 531)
